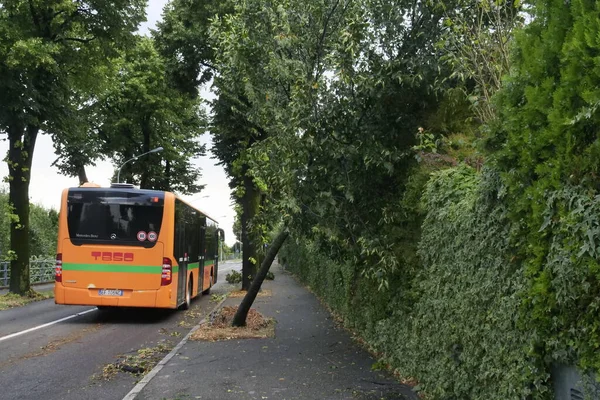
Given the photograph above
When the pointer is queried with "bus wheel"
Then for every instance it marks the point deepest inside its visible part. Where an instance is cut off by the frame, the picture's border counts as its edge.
(207, 291)
(188, 296)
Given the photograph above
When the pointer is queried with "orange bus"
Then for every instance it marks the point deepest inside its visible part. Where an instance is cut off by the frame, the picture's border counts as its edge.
(127, 247)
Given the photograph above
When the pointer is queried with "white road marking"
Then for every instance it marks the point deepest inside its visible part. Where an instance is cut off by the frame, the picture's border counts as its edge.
(12, 335)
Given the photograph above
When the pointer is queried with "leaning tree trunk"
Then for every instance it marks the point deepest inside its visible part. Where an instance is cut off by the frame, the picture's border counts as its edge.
(250, 207)
(20, 155)
(82, 175)
(167, 178)
(239, 319)
(145, 175)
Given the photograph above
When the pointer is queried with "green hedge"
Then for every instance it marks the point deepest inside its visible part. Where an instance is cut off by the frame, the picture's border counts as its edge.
(473, 323)
(476, 346)
(563, 297)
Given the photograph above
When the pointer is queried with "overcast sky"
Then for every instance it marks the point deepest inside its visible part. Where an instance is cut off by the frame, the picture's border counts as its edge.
(47, 184)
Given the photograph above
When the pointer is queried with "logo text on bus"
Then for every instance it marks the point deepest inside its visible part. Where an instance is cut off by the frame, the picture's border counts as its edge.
(110, 256)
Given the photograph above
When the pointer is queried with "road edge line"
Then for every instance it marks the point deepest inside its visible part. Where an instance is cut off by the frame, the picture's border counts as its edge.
(35, 328)
(141, 384)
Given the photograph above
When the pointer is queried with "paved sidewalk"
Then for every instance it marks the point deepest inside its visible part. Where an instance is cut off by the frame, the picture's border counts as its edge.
(309, 359)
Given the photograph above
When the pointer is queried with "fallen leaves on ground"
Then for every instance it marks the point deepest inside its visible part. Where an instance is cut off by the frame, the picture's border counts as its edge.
(242, 293)
(137, 364)
(219, 327)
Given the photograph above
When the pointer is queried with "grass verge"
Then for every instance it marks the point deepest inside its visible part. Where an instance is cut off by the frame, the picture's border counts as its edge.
(11, 300)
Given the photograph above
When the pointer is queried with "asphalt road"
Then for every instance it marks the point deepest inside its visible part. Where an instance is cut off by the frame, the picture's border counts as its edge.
(72, 358)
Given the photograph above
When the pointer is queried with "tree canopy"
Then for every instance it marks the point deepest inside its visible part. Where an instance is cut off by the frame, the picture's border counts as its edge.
(139, 110)
(332, 97)
(49, 51)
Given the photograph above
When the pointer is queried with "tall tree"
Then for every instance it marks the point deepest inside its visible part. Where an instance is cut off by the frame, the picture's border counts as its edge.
(248, 99)
(318, 103)
(340, 88)
(49, 48)
(139, 110)
(184, 38)
(233, 136)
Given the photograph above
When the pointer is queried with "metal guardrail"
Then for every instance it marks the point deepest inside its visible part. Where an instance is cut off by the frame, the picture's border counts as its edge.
(41, 271)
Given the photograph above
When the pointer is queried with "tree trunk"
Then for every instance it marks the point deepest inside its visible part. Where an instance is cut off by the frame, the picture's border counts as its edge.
(239, 319)
(82, 175)
(145, 176)
(20, 155)
(250, 207)
(167, 179)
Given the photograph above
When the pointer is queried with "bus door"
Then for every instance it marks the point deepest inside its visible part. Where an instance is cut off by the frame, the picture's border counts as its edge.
(202, 243)
(221, 240)
(210, 250)
(181, 252)
(182, 278)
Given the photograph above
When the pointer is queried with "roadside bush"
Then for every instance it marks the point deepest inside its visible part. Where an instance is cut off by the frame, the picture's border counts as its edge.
(233, 277)
(563, 288)
(43, 229)
(270, 276)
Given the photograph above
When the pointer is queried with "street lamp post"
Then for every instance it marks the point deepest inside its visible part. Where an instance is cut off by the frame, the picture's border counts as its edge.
(156, 150)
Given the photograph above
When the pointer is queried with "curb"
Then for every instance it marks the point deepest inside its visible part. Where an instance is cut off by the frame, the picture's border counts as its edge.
(141, 384)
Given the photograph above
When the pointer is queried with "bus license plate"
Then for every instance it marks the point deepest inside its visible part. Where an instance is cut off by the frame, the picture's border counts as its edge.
(110, 292)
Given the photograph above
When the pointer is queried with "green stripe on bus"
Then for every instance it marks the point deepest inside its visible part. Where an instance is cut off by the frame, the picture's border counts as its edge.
(139, 269)
(195, 265)
(209, 262)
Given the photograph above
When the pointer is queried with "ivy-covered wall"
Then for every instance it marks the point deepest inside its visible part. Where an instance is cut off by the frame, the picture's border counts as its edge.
(472, 323)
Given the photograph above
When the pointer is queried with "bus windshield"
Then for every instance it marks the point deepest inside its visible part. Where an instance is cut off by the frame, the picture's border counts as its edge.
(122, 217)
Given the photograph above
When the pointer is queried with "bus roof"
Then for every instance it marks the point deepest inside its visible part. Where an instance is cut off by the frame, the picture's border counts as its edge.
(130, 188)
